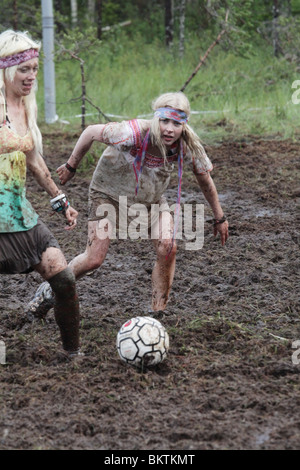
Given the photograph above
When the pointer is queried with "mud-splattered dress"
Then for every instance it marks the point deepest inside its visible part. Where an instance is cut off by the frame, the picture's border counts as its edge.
(115, 174)
(23, 237)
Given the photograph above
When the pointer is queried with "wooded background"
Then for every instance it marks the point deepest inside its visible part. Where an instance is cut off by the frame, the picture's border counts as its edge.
(275, 21)
(112, 58)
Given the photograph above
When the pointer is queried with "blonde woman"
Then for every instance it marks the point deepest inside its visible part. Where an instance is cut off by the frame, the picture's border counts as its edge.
(26, 243)
(135, 168)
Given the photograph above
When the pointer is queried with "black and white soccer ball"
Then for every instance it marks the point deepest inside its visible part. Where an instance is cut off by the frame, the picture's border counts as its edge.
(142, 342)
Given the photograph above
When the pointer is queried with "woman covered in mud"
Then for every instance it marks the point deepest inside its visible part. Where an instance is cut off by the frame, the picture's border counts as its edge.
(136, 168)
(26, 243)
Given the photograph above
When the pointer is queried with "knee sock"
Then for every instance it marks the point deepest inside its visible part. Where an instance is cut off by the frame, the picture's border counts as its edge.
(66, 308)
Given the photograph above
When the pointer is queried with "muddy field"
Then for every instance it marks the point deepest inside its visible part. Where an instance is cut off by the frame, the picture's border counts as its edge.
(231, 379)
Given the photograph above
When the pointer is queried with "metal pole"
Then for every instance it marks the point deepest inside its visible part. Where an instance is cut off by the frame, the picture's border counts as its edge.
(49, 71)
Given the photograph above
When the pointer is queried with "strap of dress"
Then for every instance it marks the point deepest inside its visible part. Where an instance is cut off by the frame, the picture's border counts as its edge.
(4, 113)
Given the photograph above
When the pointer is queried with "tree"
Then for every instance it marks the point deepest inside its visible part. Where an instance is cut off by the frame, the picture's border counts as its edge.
(74, 11)
(99, 18)
(203, 59)
(91, 10)
(181, 27)
(75, 45)
(169, 22)
(15, 18)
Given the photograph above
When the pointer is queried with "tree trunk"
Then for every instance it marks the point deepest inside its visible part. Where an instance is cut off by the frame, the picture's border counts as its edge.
(57, 5)
(59, 25)
(99, 18)
(276, 14)
(15, 19)
(74, 12)
(181, 27)
(91, 10)
(169, 22)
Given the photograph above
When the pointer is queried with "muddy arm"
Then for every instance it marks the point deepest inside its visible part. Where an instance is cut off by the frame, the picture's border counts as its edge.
(89, 135)
(210, 193)
(37, 166)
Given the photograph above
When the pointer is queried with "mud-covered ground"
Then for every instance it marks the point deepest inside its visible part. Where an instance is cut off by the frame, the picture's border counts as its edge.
(231, 379)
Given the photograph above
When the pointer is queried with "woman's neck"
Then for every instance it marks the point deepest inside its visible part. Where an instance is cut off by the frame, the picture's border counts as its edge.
(16, 114)
(14, 101)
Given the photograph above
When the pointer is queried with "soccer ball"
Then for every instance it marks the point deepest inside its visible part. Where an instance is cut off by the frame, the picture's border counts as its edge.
(142, 342)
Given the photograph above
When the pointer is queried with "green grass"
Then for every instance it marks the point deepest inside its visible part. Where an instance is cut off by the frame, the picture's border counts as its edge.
(233, 96)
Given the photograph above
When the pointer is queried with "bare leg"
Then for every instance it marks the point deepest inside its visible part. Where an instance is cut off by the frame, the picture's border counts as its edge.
(52, 262)
(95, 252)
(94, 255)
(164, 267)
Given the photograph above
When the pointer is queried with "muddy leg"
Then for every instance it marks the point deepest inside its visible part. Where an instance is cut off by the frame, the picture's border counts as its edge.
(66, 309)
(94, 254)
(164, 267)
(53, 268)
(53, 262)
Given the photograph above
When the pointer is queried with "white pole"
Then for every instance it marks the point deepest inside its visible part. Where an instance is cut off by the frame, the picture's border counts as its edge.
(49, 71)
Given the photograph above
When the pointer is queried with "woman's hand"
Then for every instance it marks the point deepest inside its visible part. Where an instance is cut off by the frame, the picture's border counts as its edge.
(71, 216)
(222, 229)
(64, 174)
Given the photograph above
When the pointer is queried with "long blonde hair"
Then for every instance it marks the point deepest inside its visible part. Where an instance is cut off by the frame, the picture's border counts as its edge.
(12, 42)
(176, 100)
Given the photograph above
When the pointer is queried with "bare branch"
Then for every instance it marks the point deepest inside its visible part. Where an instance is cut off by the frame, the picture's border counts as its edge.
(98, 109)
(203, 59)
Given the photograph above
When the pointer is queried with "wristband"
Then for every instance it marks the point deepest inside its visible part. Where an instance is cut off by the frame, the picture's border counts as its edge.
(70, 168)
(60, 203)
(220, 221)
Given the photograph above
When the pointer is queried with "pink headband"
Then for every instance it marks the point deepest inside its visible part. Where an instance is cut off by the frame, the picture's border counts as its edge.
(17, 59)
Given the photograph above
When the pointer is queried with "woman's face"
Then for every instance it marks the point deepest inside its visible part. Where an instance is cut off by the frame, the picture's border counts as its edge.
(170, 131)
(24, 77)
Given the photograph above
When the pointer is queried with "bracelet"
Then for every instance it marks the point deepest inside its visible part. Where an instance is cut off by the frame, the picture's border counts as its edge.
(60, 203)
(220, 221)
(70, 168)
